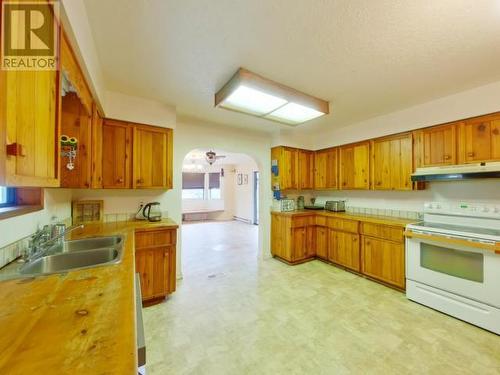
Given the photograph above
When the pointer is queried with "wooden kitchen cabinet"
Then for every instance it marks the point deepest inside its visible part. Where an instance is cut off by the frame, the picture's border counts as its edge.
(29, 128)
(479, 139)
(392, 162)
(322, 242)
(293, 239)
(116, 154)
(305, 173)
(344, 249)
(287, 159)
(152, 165)
(384, 260)
(76, 122)
(355, 166)
(326, 169)
(155, 261)
(437, 145)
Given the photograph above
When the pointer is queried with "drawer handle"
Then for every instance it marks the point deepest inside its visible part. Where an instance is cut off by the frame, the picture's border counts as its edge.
(15, 149)
(120, 180)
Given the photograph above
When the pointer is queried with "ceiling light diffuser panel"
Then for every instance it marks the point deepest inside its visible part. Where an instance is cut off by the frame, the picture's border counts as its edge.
(252, 94)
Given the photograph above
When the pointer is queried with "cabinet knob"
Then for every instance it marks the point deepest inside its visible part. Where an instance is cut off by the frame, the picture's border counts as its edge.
(470, 154)
(120, 180)
(447, 157)
(140, 180)
(15, 149)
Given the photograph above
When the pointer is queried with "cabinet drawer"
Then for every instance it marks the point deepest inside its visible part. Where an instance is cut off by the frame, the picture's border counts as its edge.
(343, 225)
(302, 221)
(385, 232)
(155, 238)
(321, 221)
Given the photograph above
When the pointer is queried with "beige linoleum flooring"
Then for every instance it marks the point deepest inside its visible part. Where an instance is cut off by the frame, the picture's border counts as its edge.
(235, 314)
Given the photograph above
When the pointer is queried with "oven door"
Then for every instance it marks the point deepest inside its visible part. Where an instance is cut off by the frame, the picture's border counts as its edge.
(449, 265)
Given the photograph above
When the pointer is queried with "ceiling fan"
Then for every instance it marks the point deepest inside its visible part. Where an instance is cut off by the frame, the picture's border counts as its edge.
(212, 157)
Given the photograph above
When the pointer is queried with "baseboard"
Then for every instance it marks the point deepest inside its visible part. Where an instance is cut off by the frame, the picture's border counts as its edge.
(243, 220)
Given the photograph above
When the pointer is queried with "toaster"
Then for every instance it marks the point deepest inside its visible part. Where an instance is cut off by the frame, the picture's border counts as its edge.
(335, 206)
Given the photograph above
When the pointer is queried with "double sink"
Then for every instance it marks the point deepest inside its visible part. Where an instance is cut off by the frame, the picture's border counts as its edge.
(75, 255)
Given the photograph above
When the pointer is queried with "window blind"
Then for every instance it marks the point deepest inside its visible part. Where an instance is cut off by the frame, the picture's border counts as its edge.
(214, 180)
(192, 180)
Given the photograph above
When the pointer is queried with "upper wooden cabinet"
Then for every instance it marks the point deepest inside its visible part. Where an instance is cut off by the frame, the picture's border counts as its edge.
(305, 173)
(116, 153)
(29, 129)
(479, 139)
(437, 145)
(152, 167)
(392, 162)
(286, 158)
(96, 135)
(355, 166)
(326, 169)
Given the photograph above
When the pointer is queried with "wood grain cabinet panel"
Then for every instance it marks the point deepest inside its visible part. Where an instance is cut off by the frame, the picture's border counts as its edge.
(29, 128)
(152, 166)
(344, 249)
(116, 137)
(287, 159)
(326, 169)
(305, 173)
(155, 261)
(384, 260)
(76, 122)
(355, 166)
(479, 139)
(392, 162)
(322, 242)
(438, 145)
(96, 176)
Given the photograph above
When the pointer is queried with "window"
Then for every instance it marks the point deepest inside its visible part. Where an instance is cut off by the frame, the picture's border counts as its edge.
(214, 186)
(193, 185)
(7, 196)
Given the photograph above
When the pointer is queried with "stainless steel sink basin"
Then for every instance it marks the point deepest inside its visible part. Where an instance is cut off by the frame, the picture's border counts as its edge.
(87, 244)
(75, 255)
(71, 261)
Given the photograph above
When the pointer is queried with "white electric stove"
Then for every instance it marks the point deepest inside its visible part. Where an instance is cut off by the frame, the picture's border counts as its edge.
(453, 261)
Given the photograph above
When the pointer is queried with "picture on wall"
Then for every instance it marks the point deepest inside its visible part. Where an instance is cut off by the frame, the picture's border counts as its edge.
(240, 179)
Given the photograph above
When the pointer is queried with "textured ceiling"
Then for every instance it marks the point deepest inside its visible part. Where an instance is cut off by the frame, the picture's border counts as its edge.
(366, 57)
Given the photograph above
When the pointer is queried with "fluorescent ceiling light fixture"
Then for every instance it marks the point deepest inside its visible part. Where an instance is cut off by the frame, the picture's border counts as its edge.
(253, 101)
(252, 94)
(294, 113)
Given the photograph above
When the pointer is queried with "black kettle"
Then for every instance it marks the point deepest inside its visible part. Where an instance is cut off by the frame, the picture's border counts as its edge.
(152, 211)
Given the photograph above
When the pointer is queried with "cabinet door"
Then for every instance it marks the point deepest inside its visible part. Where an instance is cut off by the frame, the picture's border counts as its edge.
(152, 167)
(392, 162)
(96, 177)
(76, 122)
(344, 249)
(480, 139)
(438, 145)
(305, 169)
(29, 128)
(322, 242)
(384, 260)
(311, 241)
(355, 166)
(299, 244)
(152, 264)
(288, 169)
(326, 169)
(116, 150)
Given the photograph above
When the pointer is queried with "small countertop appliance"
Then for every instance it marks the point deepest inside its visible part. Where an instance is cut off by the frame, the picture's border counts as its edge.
(150, 211)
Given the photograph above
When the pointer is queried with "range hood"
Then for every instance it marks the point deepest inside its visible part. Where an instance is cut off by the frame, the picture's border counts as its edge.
(457, 172)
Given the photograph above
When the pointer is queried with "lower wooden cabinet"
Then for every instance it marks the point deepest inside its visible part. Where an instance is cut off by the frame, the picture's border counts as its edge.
(293, 239)
(343, 249)
(384, 260)
(155, 260)
(322, 242)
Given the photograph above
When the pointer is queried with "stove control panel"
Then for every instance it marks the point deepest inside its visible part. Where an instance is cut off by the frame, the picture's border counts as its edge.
(464, 209)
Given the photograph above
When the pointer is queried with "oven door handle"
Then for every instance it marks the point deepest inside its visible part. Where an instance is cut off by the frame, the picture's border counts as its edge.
(494, 247)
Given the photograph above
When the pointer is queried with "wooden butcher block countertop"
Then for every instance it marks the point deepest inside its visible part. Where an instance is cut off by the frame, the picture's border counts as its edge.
(80, 322)
(384, 220)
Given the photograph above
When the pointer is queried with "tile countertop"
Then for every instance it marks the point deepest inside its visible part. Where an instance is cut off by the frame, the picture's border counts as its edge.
(385, 220)
(79, 322)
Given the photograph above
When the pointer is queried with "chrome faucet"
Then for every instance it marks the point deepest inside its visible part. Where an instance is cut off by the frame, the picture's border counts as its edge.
(42, 239)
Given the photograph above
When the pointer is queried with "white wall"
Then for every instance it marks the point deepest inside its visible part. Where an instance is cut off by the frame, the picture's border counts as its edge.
(57, 203)
(244, 202)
